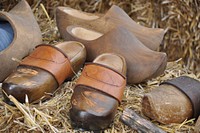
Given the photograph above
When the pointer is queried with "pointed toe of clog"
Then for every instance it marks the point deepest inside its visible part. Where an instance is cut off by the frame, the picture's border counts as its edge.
(161, 65)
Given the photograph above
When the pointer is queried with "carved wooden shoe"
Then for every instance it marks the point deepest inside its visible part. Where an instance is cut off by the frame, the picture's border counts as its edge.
(142, 63)
(173, 101)
(40, 73)
(27, 35)
(115, 17)
(98, 92)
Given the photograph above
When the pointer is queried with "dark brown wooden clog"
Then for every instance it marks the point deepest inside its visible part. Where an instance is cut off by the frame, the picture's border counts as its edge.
(173, 101)
(115, 16)
(40, 73)
(142, 63)
(98, 92)
(27, 35)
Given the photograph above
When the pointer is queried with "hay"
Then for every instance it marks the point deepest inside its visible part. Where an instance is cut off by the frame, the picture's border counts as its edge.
(53, 115)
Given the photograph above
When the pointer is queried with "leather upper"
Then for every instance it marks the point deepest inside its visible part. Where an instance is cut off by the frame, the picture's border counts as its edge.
(103, 79)
(51, 59)
(191, 88)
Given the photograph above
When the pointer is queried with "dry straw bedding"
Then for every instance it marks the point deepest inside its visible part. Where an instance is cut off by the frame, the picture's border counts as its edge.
(181, 21)
(53, 115)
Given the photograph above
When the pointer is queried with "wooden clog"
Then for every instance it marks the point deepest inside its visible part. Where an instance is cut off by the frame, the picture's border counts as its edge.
(173, 101)
(142, 63)
(114, 17)
(40, 73)
(98, 92)
(27, 35)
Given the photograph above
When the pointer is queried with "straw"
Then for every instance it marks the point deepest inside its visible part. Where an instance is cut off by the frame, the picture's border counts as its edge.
(180, 19)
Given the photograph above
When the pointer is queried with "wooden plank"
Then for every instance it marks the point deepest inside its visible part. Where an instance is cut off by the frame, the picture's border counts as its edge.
(141, 125)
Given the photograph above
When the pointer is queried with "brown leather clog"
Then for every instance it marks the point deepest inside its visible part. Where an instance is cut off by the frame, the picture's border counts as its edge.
(98, 92)
(173, 101)
(114, 17)
(44, 70)
(142, 63)
(27, 35)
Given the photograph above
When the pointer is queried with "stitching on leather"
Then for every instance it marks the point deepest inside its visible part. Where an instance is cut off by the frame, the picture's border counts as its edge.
(86, 76)
(108, 94)
(48, 60)
(104, 66)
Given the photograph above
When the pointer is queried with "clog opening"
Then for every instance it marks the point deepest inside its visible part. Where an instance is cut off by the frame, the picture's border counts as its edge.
(6, 34)
(81, 15)
(70, 48)
(85, 34)
(112, 61)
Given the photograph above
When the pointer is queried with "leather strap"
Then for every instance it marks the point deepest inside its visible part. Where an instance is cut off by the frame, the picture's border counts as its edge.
(103, 79)
(51, 59)
(191, 88)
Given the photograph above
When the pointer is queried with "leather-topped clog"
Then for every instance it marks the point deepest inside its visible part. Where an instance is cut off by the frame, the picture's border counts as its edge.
(27, 35)
(142, 63)
(44, 70)
(173, 101)
(98, 92)
(114, 17)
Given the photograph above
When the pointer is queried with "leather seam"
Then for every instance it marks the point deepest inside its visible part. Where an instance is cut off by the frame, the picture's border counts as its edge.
(86, 76)
(48, 60)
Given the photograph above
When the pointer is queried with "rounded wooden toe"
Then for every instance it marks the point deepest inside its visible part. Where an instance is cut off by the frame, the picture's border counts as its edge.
(92, 109)
(166, 104)
(33, 82)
